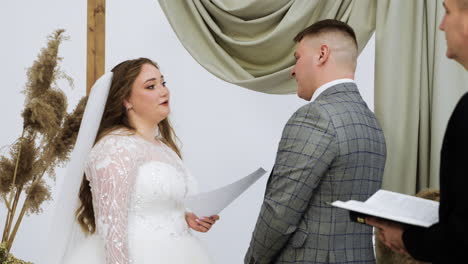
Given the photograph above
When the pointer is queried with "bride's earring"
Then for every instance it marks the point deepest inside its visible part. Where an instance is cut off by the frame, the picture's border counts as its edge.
(128, 106)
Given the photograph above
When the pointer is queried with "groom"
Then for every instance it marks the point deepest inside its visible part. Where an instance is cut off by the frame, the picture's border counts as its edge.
(331, 149)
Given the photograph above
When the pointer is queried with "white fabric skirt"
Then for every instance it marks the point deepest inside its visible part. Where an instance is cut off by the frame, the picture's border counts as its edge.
(146, 250)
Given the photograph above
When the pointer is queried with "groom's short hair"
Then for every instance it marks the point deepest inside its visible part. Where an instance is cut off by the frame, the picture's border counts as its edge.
(327, 26)
(339, 36)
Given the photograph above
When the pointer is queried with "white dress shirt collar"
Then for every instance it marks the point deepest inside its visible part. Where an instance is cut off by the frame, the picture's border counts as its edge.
(327, 85)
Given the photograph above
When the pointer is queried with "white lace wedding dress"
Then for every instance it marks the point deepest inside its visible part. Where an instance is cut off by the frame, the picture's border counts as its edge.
(138, 190)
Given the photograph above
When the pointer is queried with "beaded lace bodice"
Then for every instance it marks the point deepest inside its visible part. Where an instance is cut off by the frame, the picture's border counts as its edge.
(137, 186)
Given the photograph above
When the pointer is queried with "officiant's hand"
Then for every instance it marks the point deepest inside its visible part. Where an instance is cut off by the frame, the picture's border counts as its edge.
(390, 233)
(202, 224)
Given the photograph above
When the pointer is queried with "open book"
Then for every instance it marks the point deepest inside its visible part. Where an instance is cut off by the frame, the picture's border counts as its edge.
(394, 206)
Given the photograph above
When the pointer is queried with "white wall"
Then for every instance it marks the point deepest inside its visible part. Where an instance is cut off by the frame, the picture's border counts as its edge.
(226, 131)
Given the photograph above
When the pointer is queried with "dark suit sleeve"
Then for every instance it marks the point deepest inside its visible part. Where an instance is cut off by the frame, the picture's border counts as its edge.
(306, 150)
(423, 243)
(449, 238)
(441, 242)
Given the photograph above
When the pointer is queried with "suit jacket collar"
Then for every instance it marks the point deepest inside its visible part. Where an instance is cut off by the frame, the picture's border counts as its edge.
(339, 88)
(327, 85)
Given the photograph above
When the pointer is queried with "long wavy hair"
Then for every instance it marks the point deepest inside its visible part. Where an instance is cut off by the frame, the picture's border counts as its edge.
(115, 117)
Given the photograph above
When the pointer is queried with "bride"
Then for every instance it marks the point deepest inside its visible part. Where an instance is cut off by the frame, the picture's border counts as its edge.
(132, 194)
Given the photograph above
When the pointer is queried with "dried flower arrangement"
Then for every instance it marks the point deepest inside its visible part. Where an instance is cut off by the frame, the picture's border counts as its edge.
(7, 258)
(48, 136)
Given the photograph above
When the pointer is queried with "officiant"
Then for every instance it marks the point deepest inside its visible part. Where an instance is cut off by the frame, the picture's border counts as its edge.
(446, 241)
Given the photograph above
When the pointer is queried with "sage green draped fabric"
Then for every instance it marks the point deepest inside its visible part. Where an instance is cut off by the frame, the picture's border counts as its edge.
(416, 89)
(249, 42)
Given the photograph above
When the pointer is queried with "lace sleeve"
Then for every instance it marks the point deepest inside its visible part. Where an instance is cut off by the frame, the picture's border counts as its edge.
(110, 170)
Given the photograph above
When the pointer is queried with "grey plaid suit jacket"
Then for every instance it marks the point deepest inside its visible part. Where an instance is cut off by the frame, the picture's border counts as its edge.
(331, 149)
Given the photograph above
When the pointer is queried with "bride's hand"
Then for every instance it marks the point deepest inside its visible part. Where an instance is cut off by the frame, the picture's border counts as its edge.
(200, 224)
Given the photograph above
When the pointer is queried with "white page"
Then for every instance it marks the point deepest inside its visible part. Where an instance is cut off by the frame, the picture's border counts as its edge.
(405, 205)
(213, 202)
(395, 206)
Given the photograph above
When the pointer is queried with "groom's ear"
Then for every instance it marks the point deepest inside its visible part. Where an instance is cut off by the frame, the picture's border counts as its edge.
(324, 54)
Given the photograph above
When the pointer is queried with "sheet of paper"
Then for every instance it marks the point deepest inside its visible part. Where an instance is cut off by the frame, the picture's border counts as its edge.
(213, 202)
(396, 206)
(406, 206)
